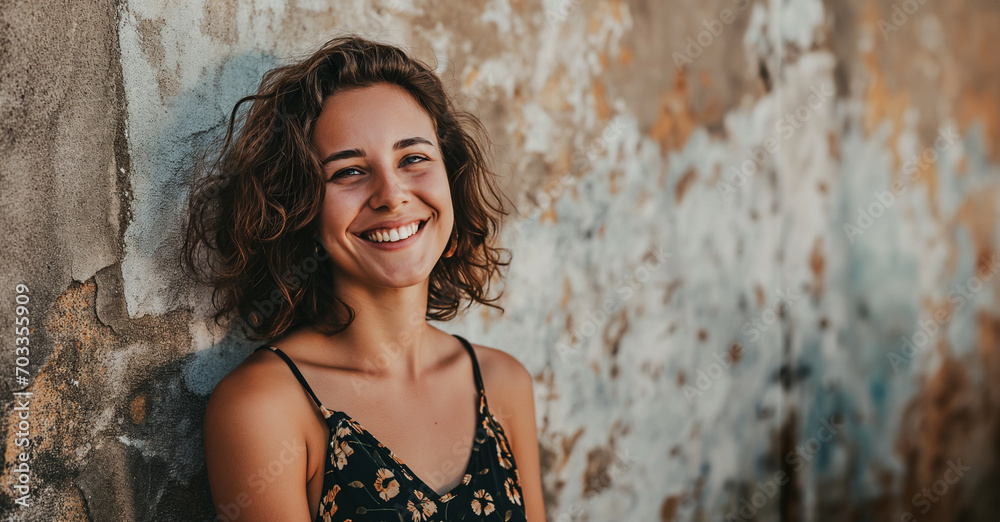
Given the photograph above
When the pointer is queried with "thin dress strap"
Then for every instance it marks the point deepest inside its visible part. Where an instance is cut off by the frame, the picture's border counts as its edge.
(298, 375)
(475, 365)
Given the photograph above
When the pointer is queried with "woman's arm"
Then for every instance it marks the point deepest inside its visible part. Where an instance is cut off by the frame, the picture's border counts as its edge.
(519, 403)
(255, 451)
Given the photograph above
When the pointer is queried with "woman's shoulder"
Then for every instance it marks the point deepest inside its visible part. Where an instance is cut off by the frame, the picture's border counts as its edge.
(253, 419)
(499, 364)
(504, 376)
(261, 385)
(509, 387)
(263, 375)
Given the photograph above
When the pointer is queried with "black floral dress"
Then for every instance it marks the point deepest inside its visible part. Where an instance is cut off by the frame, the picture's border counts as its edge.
(365, 481)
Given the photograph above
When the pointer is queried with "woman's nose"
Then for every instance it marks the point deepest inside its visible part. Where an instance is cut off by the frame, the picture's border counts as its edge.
(388, 188)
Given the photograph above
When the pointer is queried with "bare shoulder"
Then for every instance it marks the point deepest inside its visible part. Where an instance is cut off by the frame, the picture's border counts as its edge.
(259, 397)
(501, 368)
(253, 418)
(508, 386)
(257, 383)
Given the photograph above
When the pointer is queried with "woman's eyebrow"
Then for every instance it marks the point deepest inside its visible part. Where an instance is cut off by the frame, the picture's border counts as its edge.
(359, 153)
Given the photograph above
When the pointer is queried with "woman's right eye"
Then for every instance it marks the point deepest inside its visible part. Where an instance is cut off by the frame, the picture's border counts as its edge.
(344, 173)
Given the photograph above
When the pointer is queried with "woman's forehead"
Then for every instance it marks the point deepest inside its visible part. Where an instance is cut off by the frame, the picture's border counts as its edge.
(374, 115)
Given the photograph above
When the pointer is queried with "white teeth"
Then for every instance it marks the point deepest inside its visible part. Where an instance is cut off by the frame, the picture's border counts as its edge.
(396, 234)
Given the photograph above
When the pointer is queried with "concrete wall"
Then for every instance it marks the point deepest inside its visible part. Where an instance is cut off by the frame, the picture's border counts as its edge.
(706, 311)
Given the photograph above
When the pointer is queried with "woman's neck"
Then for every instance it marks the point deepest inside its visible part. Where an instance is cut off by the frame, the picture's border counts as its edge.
(390, 336)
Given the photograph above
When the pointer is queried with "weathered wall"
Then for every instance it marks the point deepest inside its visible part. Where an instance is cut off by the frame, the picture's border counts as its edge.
(706, 312)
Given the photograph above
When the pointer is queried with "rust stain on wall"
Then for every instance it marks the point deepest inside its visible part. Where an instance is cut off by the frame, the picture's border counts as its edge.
(150, 40)
(596, 477)
(614, 183)
(137, 409)
(682, 184)
(668, 509)
(552, 96)
(219, 21)
(625, 56)
(676, 121)
(938, 425)
(549, 215)
(601, 107)
(555, 450)
(817, 264)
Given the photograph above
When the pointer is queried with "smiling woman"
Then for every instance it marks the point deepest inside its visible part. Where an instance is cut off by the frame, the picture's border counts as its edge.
(408, 179)
(354, 202)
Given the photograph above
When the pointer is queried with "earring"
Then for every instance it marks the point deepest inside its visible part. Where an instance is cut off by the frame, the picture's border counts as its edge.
(452, 243)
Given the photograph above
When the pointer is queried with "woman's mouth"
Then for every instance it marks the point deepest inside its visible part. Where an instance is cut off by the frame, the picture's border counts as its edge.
(394, 235)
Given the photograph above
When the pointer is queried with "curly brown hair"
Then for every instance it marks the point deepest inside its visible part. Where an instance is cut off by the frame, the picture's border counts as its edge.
(252, 215)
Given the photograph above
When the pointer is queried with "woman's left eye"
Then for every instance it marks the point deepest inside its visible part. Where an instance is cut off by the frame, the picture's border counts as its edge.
(421, 158)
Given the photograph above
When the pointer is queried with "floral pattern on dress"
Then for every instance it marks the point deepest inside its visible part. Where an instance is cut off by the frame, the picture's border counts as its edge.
(482, 502)
(365, 481)
(328, 506)
(340, 453)
(386, 486)
(391, 492)
(422, 508)
(513, 491)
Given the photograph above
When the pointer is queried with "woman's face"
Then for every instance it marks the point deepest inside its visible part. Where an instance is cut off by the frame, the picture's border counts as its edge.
(385, 177)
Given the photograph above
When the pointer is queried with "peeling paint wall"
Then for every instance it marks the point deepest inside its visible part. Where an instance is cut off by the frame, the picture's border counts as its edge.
(754, 267)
